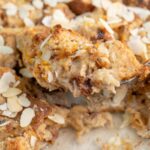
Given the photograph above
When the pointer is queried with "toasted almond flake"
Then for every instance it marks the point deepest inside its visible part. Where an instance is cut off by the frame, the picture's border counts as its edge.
(1, 40)
(143, 13)
(6, 50)
(57, 118)
(138, 47)
(107, 27)
(101, 3)
(51, 3)
(47, 21)
(128, 15)
(33, 141)
(11, 9)
(114, 21)
(24, 101)
(45, 41)
(120, 95)
(17, 83)
(37, 4)
(26, 73)
(9, 114)
(5, 80)
(28, 22)
(134, 32)
(50, 77)
(126, 120)
(146, 40)
(3, 107)
(26, 117)
(60, 18)
(23, 13)
(4, 123)
(12, 92)
(147, 26)
(13, 105)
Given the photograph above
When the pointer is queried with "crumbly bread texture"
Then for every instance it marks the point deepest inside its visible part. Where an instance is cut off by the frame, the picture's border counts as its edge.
(60, 58)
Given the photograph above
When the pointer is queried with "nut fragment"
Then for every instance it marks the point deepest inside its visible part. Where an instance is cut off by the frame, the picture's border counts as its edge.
(4, 123)
(26, 117)
(5, 80)
(3, 107)
(37, 4)
(6, 50)
(33, 141)
(24, 101)
(1, 40)
(50, 77)
(13, 105)
(9, 114)
(57, 118)
(26, 73)
(10, 8)
(11, 92)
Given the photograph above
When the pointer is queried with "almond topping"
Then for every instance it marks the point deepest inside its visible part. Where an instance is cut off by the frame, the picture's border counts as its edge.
(13, 105)
(24, 101)
(26, 73)
(5, 80)
(9, 114)
(4, 123)
(33, 141)
(26, 117)
(11, 92)
(57, 118)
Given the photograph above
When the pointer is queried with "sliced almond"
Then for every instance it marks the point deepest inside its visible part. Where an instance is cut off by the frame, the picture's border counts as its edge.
(33, 141)
(37, 4)
(107, 27)
(28, 22)
(3, 106)
(6, 50)
(26, 73)
(47, 21)
(13, 105)
(26, 117)
(24, 101)
(11, 92)
(5, 80)
(50, 77)
(1, 40)
(4, 123)
(9, 114)
(11, 9)
(51, 3)
(57, 118)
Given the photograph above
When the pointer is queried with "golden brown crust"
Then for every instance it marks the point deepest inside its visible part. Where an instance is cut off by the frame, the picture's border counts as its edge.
(63, 46)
